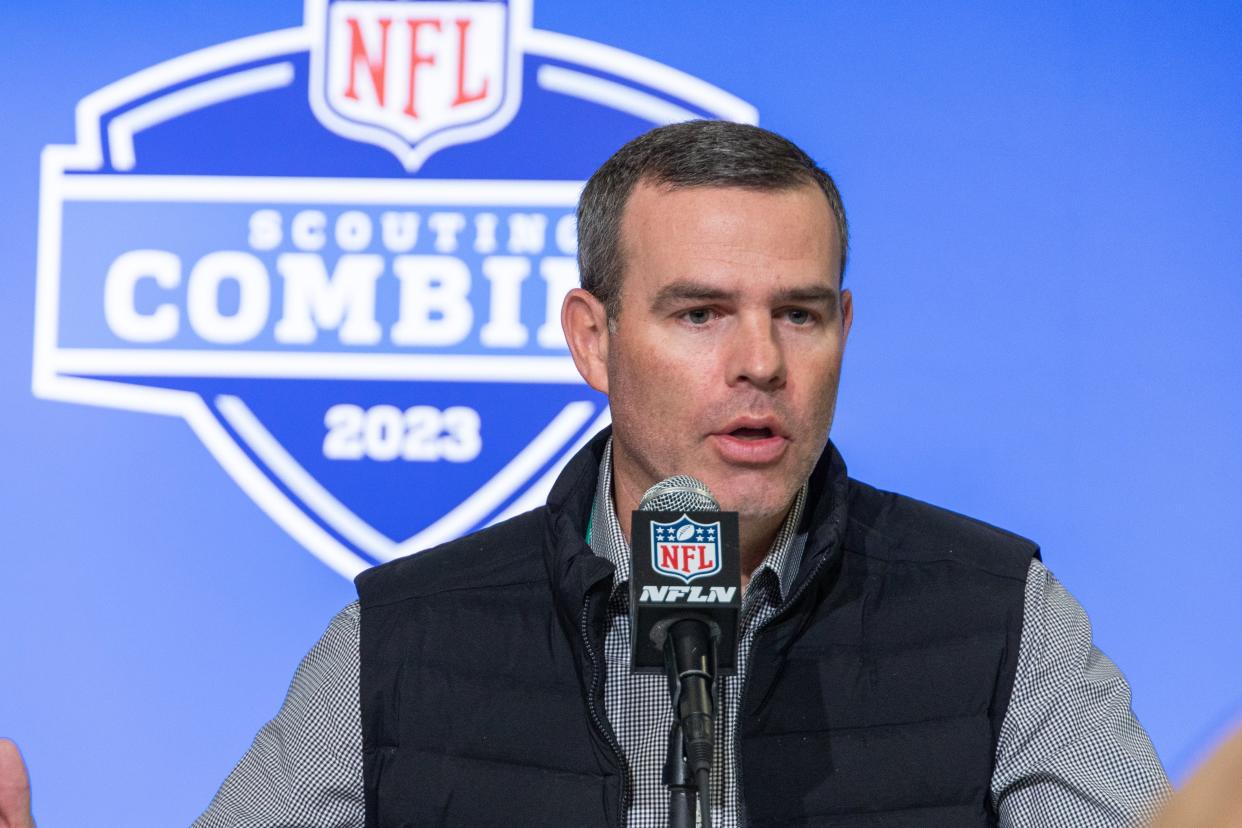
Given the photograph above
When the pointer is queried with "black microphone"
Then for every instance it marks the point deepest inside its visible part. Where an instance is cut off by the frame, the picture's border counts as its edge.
(685, 597)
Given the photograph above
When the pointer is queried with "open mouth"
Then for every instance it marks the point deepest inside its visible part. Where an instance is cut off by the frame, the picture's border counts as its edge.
(751, 433)
(752, 445)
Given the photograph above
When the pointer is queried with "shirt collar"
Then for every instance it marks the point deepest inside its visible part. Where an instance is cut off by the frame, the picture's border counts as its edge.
(608, 541)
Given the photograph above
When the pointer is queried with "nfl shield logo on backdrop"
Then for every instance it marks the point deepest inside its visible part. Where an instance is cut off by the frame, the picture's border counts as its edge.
(415, 76)
(685, 548)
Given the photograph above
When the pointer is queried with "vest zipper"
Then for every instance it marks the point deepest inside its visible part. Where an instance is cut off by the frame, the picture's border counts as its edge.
(743, 817)
(600, 722)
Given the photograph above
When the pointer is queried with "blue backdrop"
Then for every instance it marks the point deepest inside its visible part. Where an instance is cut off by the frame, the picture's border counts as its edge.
(1044, 201)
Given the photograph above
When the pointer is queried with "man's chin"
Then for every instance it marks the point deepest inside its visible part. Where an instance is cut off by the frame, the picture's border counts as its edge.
(759, 503)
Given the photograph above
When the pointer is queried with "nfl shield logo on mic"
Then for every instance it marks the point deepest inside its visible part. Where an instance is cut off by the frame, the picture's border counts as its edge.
(685, 548)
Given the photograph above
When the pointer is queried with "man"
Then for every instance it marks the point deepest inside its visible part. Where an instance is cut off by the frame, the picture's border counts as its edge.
(898, 664)
(896, 661)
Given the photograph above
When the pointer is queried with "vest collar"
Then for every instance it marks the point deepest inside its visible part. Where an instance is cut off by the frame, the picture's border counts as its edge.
(824, 519)
(574, 569)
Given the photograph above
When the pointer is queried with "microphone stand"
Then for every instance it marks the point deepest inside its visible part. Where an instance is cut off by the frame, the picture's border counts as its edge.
(690, 659)
(682, 791)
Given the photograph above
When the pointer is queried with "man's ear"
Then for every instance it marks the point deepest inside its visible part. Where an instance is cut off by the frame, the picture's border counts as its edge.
(586, 330)
(847, 313)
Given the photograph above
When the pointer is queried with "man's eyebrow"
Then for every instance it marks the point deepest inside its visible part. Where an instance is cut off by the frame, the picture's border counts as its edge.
(808, 295)
(686, 291)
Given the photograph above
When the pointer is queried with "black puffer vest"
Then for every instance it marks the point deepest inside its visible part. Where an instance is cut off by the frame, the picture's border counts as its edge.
(874, 697)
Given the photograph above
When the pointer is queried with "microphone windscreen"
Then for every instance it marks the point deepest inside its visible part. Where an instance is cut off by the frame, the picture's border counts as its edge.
(679, 493)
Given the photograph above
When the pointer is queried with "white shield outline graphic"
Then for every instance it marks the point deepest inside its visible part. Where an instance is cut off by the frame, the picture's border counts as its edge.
(685, 521)
(414, 155)
(97, 168)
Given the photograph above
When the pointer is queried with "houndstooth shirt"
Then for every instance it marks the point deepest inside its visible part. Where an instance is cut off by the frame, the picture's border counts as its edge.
(1070, 751)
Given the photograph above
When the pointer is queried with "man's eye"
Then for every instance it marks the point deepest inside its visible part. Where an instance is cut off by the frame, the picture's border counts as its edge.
(698, 316)
(799, 316)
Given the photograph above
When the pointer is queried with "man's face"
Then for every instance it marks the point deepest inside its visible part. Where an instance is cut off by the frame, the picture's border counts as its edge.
(724, 359)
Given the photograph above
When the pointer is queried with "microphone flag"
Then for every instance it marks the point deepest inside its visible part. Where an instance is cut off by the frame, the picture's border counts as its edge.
(686, 563)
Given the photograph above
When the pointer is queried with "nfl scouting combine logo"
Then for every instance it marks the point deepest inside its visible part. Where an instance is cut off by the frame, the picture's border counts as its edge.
(338, 251)
(685, 548)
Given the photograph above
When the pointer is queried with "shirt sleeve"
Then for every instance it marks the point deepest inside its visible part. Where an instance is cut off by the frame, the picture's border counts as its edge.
(305, 766)
(1071, 752)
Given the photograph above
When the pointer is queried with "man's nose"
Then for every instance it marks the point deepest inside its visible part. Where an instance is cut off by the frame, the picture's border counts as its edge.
(758, 357)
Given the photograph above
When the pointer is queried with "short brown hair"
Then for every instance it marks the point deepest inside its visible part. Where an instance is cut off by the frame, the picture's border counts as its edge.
(688, 154)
